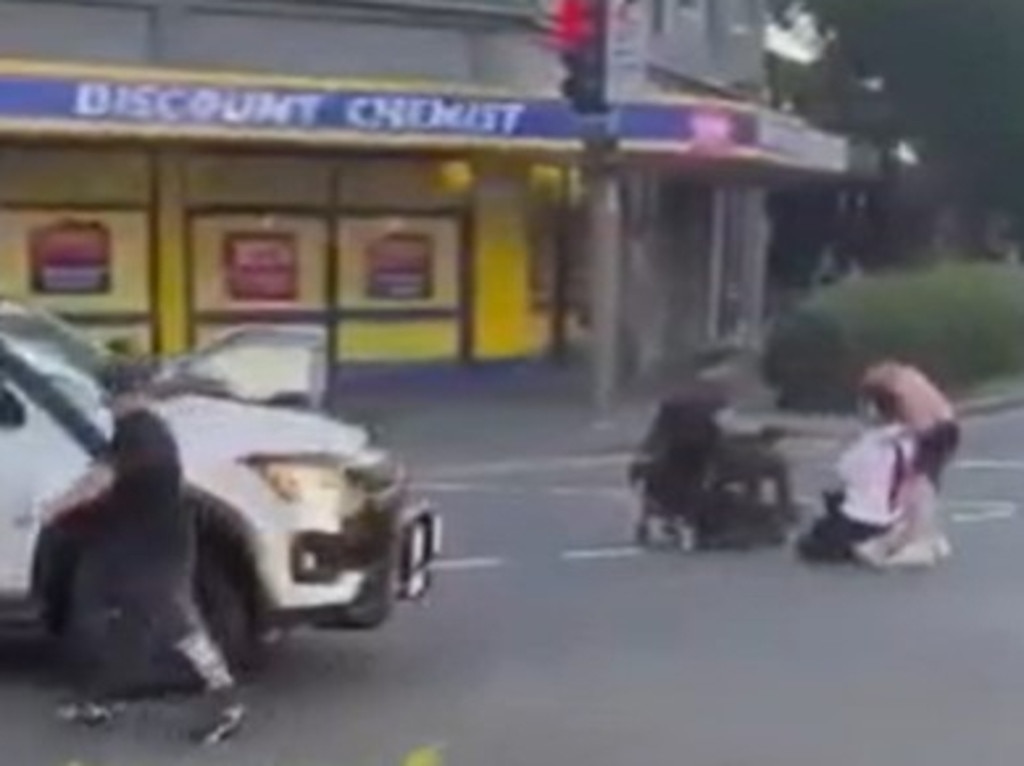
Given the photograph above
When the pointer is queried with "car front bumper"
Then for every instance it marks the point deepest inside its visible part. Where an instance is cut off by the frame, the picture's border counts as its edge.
(419, 545)
(408, 545)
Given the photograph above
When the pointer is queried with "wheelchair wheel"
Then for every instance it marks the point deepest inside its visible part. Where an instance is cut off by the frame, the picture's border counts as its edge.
(672, 532)
(642, 532)
(646, 516)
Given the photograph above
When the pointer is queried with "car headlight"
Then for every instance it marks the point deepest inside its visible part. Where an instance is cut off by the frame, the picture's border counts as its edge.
(320, 486)
(377, 473)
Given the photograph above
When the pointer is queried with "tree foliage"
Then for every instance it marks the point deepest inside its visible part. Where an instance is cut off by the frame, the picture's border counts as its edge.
(950, 69)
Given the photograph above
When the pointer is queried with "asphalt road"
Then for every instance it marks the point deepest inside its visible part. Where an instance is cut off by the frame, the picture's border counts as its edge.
(548, 640)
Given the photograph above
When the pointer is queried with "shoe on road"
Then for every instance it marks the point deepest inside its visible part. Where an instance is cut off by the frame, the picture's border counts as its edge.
(90, 714)
(222, 725)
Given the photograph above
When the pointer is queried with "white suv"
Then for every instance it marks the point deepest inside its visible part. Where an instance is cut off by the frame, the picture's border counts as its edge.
(302, 519)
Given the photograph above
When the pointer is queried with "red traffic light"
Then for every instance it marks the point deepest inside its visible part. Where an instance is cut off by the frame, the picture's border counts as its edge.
(573, 25)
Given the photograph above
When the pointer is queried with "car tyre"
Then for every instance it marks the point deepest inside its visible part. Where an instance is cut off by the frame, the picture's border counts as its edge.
(375, 602)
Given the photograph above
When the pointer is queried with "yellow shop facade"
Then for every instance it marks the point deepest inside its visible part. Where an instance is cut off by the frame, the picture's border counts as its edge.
(413, 225)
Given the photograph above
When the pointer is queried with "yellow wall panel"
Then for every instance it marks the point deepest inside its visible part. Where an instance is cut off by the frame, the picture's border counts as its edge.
(355, 238)
(257, 180)
(207, 260)
(502, 303)
(74, 176)
(129, 259)
(415, 340)
(171, 274)
(398, 185)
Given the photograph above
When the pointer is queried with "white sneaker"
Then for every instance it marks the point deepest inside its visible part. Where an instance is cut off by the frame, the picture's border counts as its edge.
(916, 555)
(873, 553)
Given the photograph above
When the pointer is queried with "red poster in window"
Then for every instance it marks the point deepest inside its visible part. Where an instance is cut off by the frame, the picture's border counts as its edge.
(400, 267)
(261, 266)
(70, 258)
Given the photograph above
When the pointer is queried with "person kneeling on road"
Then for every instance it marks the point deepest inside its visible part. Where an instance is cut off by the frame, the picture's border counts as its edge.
(868, 519)
(137, 566)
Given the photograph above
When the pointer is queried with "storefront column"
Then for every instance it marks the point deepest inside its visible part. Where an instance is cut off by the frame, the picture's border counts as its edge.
(739, 265)
(646, 295)
(679, 302)
(757, 229)
(171, 299)
(717, 253)
(502, 320)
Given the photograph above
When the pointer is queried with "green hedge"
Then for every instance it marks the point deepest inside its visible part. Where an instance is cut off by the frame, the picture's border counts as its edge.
(962, 323)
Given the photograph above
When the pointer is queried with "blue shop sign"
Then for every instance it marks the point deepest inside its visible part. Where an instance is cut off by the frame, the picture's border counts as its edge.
(190, 105)
(216, 106)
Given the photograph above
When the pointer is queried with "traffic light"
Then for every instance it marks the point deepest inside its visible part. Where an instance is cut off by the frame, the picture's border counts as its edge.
(580, 36)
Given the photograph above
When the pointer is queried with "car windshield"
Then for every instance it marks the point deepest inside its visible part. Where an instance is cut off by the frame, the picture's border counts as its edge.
(42, 335)
(67, 358)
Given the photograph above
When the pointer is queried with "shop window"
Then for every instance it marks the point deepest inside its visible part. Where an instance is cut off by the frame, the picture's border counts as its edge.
(86, 262)
(395, 263)
(399, 287)
(242, 263)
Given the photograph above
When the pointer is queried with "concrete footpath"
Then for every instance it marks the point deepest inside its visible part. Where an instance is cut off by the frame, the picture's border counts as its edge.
(553, 419)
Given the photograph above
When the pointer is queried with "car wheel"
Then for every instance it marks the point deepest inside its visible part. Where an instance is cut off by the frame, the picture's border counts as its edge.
(225, 607)
(374, 605)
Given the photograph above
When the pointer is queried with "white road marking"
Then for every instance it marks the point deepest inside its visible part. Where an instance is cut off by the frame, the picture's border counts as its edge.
(454, 487)
(961, 511)
(980, 511)
(559, 463)
(984, 516)
(958, 508)
(528, 465)
(616, 493)
(808, 448)
(477, 563)
(594, 554)
(989, 465)
(468, 563)
(981, 505)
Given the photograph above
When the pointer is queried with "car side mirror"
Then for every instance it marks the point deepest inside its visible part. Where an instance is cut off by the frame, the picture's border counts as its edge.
(12, 411)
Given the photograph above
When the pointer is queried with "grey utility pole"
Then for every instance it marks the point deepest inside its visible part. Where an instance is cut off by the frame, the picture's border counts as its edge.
(604, 51)
(604, 263)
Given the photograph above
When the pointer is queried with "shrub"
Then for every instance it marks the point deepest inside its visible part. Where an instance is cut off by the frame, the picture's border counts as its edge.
(961, 323)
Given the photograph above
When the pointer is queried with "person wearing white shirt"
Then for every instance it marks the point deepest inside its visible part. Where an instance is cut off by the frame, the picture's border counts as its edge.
(871, 500)
(919, 538)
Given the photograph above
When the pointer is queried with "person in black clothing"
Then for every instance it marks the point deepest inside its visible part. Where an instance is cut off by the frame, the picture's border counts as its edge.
(137, 565)
(692, 468)
(677, 452)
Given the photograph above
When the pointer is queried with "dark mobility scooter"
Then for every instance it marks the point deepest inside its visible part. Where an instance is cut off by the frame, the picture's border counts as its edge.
(705, 488)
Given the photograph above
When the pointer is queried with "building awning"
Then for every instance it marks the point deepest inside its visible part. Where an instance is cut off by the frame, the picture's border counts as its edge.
(60, 100)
